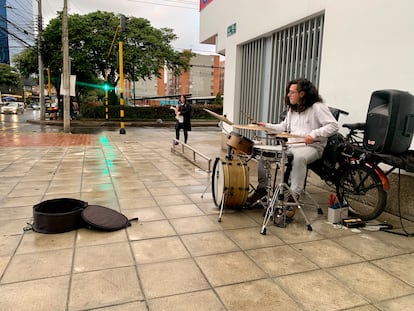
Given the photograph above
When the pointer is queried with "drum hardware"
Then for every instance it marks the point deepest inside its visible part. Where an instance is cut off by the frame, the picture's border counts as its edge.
(277, 206)
(269, 187)
(269, 154)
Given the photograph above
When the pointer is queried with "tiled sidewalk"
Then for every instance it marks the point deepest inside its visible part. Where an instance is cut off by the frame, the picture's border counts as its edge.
(178, 256)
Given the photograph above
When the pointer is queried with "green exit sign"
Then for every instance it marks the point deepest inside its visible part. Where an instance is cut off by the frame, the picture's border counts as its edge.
(231, 30)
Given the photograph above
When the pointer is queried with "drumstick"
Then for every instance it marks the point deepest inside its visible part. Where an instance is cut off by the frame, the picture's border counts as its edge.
(253, 121)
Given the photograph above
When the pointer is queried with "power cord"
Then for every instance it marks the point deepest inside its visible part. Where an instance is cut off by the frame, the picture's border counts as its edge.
(407, 234)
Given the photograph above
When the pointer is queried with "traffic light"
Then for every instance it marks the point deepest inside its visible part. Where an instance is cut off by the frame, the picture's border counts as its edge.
(122, 20)
(106, 87)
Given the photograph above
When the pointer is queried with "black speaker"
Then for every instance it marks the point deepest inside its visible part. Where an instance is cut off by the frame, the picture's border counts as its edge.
(389, 125)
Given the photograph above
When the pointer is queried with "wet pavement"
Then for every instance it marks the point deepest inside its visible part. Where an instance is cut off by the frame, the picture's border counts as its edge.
(178, 256)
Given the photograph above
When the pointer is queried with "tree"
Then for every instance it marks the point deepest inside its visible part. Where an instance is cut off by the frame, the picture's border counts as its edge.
(146, 49)
(26, 62)
(9, 77)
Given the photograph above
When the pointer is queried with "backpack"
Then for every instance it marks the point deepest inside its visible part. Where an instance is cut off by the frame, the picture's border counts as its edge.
(66, 214)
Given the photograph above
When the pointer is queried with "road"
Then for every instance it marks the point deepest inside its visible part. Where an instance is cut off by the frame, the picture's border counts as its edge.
(11, 123)
(21, 123)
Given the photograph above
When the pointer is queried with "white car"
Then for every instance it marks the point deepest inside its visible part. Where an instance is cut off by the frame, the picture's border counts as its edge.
(12, 107)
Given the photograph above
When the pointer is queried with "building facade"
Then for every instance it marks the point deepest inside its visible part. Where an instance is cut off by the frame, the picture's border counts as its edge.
(17, 30)
(349, 49)
(4, 38)
(205, 78)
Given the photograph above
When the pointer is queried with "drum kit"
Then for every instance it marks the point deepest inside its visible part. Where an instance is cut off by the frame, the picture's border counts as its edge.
(230, 177)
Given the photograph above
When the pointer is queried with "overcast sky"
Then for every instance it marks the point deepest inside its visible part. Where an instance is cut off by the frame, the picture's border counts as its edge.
(180, 15)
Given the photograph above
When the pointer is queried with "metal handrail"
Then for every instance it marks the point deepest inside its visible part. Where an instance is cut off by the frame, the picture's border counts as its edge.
(176, 143)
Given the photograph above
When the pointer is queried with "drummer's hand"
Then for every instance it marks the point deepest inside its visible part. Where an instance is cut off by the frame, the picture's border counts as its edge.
(261, 123)
(309, 140)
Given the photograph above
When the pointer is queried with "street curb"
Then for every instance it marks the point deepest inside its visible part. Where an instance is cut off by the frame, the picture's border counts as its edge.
(106, 123)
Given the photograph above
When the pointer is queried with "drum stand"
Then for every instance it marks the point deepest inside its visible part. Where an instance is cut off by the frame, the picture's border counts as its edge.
(270, 188)
(276, 208)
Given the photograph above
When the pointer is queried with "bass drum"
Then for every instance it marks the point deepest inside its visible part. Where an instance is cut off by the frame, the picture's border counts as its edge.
(230, 182)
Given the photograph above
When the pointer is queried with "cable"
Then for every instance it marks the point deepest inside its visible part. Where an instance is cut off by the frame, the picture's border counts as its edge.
(407, 234)
(16, 37)
(171, 5)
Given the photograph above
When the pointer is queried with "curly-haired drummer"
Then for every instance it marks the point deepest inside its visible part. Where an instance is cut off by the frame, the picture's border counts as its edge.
(308, 117)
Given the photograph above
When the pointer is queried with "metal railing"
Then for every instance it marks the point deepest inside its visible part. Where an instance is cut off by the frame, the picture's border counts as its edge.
(180, 148)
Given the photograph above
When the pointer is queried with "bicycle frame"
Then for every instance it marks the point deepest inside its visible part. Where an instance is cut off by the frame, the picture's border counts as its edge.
(359, 181)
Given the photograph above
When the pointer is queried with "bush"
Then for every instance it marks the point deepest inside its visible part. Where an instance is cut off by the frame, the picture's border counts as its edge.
(91, 111)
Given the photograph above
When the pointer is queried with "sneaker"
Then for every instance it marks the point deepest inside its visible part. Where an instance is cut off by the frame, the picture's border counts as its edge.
(256, 196)
(176, 143)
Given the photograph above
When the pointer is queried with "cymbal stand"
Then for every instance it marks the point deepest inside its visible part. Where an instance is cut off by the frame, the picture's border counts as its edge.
(277, 206)
(270, 187)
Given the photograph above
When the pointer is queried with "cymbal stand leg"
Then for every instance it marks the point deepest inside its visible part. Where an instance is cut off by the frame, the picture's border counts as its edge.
(210, 176)
(207, 187)
(299, 206)
(270, 211)
(221, 207)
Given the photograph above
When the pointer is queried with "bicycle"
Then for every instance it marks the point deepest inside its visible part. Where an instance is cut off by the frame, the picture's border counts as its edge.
(346, 164)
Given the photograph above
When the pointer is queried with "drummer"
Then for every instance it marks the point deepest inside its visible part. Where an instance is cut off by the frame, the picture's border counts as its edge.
(309, 117)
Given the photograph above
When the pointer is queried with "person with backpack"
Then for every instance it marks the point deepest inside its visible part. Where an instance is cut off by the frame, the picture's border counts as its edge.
(183, 113)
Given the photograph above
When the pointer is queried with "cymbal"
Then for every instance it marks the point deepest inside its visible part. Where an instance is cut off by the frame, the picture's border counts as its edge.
(221, 118)
(253, 127)
(287, 135)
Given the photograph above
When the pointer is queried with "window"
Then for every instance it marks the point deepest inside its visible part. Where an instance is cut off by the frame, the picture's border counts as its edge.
(269, 63)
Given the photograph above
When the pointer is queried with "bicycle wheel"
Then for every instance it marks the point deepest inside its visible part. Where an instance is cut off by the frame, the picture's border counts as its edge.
(361, 188)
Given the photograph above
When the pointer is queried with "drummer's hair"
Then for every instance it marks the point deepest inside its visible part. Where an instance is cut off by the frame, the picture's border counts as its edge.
(311, 94)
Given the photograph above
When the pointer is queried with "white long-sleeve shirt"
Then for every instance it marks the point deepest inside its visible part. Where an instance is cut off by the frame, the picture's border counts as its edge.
(316, 121)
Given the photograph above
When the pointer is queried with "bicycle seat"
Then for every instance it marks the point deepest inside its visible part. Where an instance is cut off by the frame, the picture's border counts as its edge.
(354, 126)
(337, 112)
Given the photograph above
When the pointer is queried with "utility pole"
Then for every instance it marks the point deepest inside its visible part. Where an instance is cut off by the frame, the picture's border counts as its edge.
(66, 69)
(122, 23)
(40, 60)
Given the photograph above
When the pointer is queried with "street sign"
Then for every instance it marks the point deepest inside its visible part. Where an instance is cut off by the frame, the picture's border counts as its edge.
(231, 30)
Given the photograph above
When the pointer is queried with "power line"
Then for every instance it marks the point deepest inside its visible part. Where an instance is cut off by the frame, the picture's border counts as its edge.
(14, 36)
(185, 3)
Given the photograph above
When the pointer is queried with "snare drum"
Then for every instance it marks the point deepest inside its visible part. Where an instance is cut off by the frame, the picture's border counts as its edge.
(230, 182)
(240, 143)
(268, 152)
